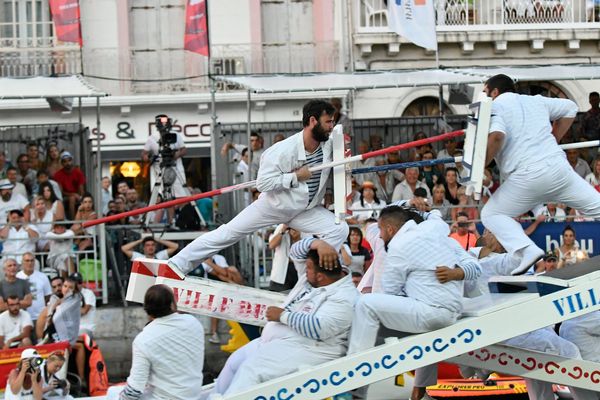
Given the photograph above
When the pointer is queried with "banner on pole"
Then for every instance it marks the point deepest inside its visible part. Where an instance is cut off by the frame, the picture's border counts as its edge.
(66, 18)
(413, 20)
(196, 27)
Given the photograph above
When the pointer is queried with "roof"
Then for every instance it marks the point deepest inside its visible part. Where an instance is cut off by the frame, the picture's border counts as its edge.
(290, 83)
(44, 87)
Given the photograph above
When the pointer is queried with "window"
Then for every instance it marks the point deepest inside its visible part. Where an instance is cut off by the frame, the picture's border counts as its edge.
(25, 23)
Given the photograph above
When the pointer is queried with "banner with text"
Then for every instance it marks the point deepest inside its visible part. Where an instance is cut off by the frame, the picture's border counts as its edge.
(548, 236)
(196, 27)
(65, 15)
(414, 20)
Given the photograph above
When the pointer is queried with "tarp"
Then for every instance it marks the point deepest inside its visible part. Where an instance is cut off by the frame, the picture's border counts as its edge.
(289, 83)
(43, 87)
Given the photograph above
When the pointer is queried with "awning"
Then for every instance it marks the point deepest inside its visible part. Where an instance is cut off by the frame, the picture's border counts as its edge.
(44, 87)
(289, 83)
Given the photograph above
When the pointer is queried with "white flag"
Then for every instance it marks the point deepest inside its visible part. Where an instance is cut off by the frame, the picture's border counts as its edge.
(413, 20)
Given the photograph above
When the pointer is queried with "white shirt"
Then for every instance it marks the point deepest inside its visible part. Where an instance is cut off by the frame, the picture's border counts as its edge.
(217, 259)
(444, 154)
(402, 191)
(582, 168)
(559, 214)
(43, 225)
(88, 321)
(18, 242)
(20, 190)
(372, 277)
(277, 180)
(161, 255)
(168, 356)
(152, 147)
(16, 202)
(61, 243)
(11, 327)
(526, 124)
(39, 287)
(368, 210)
(281, 255)
(591, 178)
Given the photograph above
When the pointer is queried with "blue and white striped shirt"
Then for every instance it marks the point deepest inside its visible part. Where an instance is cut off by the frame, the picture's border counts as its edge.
(313, 159)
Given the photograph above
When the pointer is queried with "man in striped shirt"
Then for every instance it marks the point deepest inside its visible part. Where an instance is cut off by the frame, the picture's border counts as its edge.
(310, 328)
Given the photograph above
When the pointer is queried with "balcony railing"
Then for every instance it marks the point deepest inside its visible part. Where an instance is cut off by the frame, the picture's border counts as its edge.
(452, 15)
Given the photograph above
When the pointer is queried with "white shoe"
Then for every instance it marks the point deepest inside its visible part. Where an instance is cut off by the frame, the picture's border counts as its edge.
(531, 255)
(176, 269)
(214, 338)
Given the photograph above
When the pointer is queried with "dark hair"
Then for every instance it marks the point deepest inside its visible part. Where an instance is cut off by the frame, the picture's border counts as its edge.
(42, 172)
(357, 230)
(245, 151)
(20, 157)
(316, 108)
(43, 185)
(75, 283)
(12, 297)
(254, 134)
(462, 214)
(16, 211)
(57, 277)
(569, 228)
(502, 82)
(158, 301)
(356, 274)
(88, 194)
(452, 169)
(313, 255)
(148, 239)
(595, 94)
(420, 192)
(398, 216)
(11, 168)
(362, 196)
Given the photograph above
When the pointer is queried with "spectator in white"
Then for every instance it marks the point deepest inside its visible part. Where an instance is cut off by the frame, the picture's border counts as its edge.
(11, 285)
(11, 201)
(579, 164)
(290, 192)
(149, 249)
(151, 153)
(440, 203)
(106, 194)
(462, 171)
(448, 151)
(368, 205)
(569, 252)
(283, 273)
(405, 190)
(39, 286)
(354, 254)
(168, 355)
(42, 176)
(64, 316)
(256, 145)
(56, 283)
(52, 202)
(19, 188)
(60, 259)
(384, 181)
(15, 325)
(24, 382)
(523, 142)
(87, 324)
(243, 166)
(594, 177)
(310, 328)
(19, 236)
(53, 386)
(25, 174)
(42, 218)
(551, 212)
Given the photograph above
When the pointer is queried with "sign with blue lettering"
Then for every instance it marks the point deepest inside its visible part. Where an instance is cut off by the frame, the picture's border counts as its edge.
(548, 235)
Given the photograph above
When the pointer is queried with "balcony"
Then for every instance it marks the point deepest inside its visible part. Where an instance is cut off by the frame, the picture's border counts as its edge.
(485, 15)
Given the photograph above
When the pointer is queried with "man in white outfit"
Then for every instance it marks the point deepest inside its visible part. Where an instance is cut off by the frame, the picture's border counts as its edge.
(524, 143)
(311, 327)
(584, 331)
(291, 194)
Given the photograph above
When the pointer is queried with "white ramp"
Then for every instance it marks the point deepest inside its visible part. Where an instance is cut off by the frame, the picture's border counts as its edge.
(475, 147)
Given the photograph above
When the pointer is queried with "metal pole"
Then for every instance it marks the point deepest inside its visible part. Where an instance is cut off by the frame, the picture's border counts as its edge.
(249, 131)
(102, 228)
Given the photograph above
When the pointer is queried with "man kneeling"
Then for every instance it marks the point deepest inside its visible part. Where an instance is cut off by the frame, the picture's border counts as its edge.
(310, 329)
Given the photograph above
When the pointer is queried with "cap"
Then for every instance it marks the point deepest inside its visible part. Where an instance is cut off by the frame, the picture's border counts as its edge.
(77, 277)
(368, 185)
(65, 155)
(550, 256)
(5, 184)
(29, 353)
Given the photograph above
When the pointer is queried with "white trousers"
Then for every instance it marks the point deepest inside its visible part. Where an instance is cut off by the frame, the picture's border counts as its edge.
(399, 313)
(260, 362)
(549, 181)
(584, 332)
(260, 214)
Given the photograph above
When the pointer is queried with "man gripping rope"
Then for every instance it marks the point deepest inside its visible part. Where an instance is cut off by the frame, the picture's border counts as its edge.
(535, 169)
(291, 194)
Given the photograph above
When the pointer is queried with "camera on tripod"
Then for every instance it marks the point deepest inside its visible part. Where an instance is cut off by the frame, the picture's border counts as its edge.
(166, 152)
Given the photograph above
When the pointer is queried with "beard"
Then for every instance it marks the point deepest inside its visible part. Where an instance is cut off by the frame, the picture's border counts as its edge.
(319, 133)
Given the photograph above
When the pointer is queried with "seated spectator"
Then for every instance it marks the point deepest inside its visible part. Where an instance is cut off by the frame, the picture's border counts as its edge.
(33, 152)
(416, 153)
(466, 232)
(106, 194)
(451, 185)
(439, 201)
(405, 190)
(549, 263)
(362, 148)
(42, 218)
(394, 158)
(11, 201)
(53, 203)
(15, 325)
(87, 324)
(354, 254)
(356, 278)
(384, 181)
(85, 212)
(52, 163)
(368, 205)
(24, 382)
(3, 164)
(462, 171)
(117, 206)
(430, 174)
(25, 174)
(122, 188)
(39, 286)
(43, 177)
(570, 253)
(149, 249)
(72, 183)
(53, 387)
(60, 242)
(13, 286)
(133, 203)
(594, 177)
(19, 188)
(579, 164)
(448, 151)
(19, 236)
(551, 212)
(466, 204)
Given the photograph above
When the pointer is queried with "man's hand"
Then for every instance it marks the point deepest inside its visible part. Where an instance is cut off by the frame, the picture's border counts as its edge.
(445, 274)
(273, 313)
(328, 256)
(303, 174)
(420, 204)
